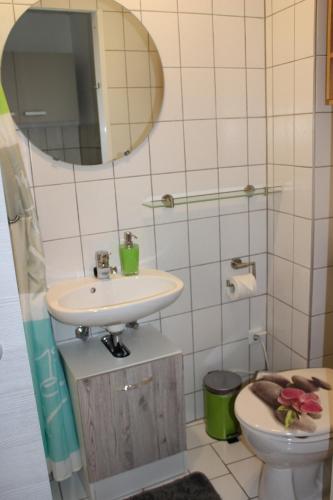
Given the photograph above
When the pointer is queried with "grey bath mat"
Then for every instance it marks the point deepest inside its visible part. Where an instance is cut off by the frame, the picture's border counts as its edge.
(193, 487)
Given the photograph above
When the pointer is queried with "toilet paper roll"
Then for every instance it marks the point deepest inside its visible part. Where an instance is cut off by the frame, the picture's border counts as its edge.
(242, 286)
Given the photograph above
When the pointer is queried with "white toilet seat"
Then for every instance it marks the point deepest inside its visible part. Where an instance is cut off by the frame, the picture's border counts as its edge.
(257, 415)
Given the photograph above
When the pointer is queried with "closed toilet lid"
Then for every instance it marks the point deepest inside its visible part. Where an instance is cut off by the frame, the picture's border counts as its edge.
(291, 403)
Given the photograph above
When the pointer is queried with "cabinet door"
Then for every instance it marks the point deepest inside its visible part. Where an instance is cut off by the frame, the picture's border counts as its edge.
(46, 84)
(132, 417)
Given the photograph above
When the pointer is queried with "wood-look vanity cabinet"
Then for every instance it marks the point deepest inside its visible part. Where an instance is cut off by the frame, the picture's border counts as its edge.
(129, 411)
(132, 417)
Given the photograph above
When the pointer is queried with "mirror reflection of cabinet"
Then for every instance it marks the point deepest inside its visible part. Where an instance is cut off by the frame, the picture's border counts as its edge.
(118, 72)
(45, 88)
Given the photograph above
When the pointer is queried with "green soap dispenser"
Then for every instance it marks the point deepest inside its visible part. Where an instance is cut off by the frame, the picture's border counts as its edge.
(129, 255)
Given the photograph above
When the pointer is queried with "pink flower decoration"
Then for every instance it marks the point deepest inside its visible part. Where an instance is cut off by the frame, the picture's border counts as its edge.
(302, 402)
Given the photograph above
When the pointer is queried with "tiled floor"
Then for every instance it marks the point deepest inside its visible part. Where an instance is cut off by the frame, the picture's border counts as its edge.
(232, 468)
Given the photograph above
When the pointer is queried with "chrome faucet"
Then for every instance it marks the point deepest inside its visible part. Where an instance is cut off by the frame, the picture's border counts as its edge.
(103, 269)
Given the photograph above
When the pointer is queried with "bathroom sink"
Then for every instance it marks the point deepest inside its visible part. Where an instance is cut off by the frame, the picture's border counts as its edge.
(118, 300)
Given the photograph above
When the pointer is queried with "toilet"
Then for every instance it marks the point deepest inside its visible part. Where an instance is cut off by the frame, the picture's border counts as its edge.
(297, 457)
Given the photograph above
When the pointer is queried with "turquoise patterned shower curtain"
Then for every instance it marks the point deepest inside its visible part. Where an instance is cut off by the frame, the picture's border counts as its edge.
(51, 392)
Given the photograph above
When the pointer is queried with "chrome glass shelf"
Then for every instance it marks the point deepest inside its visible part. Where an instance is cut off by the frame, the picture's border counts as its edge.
(170, 201)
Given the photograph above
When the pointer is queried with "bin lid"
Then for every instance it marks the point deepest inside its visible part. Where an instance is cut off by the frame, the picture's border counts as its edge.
(222, 382)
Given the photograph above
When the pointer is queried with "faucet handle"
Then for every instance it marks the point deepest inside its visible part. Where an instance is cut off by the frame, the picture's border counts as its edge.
(102, 264)
(102, 258)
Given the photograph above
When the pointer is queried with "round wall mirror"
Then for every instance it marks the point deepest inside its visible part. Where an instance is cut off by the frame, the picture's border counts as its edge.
(83, 86)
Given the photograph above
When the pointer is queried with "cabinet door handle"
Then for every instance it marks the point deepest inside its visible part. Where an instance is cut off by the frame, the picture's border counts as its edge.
(35, 113)
(131, 387)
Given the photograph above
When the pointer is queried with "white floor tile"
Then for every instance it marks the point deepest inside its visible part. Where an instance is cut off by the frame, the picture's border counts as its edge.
(196, 436)
(205, 460)
(247, 473)
(227, 487)
(234, 452)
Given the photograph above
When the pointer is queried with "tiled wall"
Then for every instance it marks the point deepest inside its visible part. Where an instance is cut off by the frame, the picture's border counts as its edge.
(290, 60)
(300, 241)
(211, 135)
(321, 344)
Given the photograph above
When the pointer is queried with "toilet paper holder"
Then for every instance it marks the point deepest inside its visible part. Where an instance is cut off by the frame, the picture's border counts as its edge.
(237, 263)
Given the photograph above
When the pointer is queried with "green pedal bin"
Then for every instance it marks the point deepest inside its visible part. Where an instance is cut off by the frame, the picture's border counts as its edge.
(220, 391)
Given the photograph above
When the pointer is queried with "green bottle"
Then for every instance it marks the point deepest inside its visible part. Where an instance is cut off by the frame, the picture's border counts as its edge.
(129, 255)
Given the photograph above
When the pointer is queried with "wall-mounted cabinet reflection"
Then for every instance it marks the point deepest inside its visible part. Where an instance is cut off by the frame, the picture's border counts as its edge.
(84, 87)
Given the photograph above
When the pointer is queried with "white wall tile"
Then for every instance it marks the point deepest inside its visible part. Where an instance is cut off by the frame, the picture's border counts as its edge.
(269, 41)
(323, 188)
(302, 241)
(207, 230)
(304, 140)
(283, 317)
(230, 93)
(57, 211)
(283, 235)
(183, 303)
(283, 89)
(258, 232)
(167, 147)
(189, 407)
(163, 27)
(172, 246)
(321, 335)
(258, 178)
(137, 163)
(235, 357)
(300, 333)
(236, 320)
(200, 144)
(233, 179)
(207, 328)
(97, 207)
(205, 361)
(255, 43)
(255, 8)
(178, 329)
(256, 92)
(283, 140)
(199, 6)
(234, 236)
(283, 36)
(93, 173)
(303, 192)
(304, 81)
(200, 182)
(229, 41)
(323, 243)
(198, 93)
(196, 40)
(304, 29)
(284, 177)
(206, 285)
(47, 171)
(323, 139)
(172, 98)
(281, 357)
(322, 291)
(163, 5)
(59, 268)
(232, 142)
(301, 288)
(224, 7)
(257, 140)
(283, 273)
(131, 193)
(7, 20)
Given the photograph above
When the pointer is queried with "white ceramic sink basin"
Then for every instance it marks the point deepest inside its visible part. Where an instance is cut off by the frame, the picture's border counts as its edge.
(118, 300)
